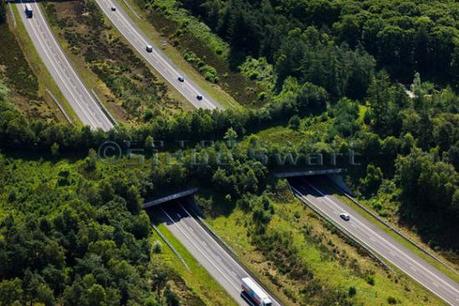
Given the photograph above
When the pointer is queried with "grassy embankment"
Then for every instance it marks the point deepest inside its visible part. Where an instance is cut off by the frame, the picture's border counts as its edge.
(332, 264)
(204, 288)
(105, 60)
(412, 235)
(147, 27)
(305, 245)
(183, 36)
(282, 134)
(28, 75)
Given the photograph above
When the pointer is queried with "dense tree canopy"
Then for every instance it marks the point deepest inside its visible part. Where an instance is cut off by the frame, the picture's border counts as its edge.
(403, 35)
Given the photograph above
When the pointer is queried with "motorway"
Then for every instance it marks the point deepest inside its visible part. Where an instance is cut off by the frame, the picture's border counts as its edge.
(157, 59)
(214, 258)
(73, 89)
(374, 238)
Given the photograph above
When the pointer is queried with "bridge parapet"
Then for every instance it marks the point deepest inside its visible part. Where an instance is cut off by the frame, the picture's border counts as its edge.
(170, 197)
(287, 174)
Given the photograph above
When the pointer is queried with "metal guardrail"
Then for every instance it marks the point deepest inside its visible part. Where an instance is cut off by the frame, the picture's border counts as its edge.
(393, 229)
(59, 106)
(230, 251)
(346, 232)
(308, 173)
(174, 250)
(104, 109)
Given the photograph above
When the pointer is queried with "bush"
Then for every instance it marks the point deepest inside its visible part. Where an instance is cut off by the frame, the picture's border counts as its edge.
(391, 300)
(371, 280)
(352, 291)
(157, 247)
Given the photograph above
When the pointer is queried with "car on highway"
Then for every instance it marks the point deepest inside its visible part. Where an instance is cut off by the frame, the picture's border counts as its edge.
(149, 48)
(345, 216)
(28, 10)
(113, 8)
(199, 97)
(181, 79)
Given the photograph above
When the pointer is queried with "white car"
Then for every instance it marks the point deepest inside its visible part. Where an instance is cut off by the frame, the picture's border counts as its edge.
(345, 216)
(149, 48)
(113, 8)
(181, 79)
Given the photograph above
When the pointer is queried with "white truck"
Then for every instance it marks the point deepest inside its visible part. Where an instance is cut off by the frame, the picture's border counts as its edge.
(254, 292)
(28, 10)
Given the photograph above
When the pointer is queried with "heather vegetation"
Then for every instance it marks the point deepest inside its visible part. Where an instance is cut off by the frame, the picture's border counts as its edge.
(377, 77)
(133, 92)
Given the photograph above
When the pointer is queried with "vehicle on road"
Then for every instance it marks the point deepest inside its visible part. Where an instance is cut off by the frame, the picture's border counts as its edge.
(255, 293)
(28, 10)
(199, 97)
(181, 79)
(149, 48)
(345, 216)
(113, 8)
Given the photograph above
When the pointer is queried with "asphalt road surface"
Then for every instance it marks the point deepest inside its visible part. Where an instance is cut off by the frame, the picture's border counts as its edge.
(377, 240)
(157, 59)
(220, 265)
(80, 99)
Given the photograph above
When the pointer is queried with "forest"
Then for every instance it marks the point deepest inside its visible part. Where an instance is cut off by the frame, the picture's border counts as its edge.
(404, 36)
(389, 71)
(377, 76)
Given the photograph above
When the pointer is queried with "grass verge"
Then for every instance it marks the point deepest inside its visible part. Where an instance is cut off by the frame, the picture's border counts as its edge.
(79, 65)
(441, 267)
(45, 79)
(213, 90)
(320, 262)
(197, 278)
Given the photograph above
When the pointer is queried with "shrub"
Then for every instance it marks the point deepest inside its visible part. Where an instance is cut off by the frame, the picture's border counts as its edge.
(391, 300)
(352, 291)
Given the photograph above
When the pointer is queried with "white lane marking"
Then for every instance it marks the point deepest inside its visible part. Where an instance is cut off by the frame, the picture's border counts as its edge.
(155, 56)
(50, 59)
(223, 252)
(387, 243)
(46, 50)
(199, 238)
(202, 253)
(447, 299)
(93, 104)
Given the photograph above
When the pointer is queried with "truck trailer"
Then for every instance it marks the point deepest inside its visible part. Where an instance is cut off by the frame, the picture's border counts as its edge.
(255, 293)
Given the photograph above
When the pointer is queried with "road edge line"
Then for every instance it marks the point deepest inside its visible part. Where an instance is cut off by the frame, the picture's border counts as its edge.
(305, 201)
(392, 228)
(174, 250)
(230, 252)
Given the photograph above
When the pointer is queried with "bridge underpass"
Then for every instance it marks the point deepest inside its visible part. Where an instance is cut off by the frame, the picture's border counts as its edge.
(178, 213)
(322, 194)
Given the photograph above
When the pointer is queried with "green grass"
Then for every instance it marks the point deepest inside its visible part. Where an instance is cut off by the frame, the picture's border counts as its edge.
(441, 267)
(197, 278)
(79, 65)
(213, 90)
(333, 262)
(41, 72)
